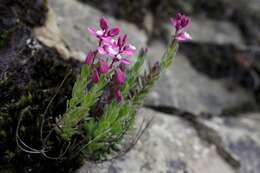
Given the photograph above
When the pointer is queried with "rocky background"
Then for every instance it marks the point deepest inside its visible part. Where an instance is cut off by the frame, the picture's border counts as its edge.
(206, 107)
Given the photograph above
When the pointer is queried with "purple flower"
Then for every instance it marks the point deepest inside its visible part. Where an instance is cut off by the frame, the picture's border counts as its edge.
(181, 23)
(117, 48)
(90, 57)
(104, 32)
(103, 23)
(110, 57)
(118, 95)
(114, 32)
(120, 76)
(103, 67)
(183, 36)
(95, 76)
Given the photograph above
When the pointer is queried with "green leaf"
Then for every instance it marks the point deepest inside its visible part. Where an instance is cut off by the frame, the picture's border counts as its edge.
(167, 59)
(108, 131)
(81, 103)
(79, 87)
(146, 82)
(132, 75)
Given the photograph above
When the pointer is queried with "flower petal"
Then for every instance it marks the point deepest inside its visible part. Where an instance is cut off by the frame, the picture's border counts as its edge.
(107, 40)
(173, 22)
(103, 23)
(90, 57)
(100, 33)
(112, 50)
(127, 52)
(118, 95)
(183, 36)
(125, 61)
(95, 76)
(103, 67)
(120, 76)
(102, 51)
(114, 31)
(92, 31)
(124, 39)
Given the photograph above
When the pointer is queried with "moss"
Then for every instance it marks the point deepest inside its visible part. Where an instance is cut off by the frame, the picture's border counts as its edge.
(29, 79)
(30, 12)
(5, 35)
(26, 91)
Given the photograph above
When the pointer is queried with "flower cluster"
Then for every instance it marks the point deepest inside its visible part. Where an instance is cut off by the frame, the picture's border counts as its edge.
(181, 23)
(110, 57)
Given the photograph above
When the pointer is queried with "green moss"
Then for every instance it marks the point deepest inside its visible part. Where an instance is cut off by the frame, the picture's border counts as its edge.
(26, 89)
(5, 36)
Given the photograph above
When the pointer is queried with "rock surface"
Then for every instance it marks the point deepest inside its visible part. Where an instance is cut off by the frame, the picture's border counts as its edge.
(50, 35)
(206, 30)
(185, 88)
(170, 145)
(74, 18)
(241, 137)
(220, 32)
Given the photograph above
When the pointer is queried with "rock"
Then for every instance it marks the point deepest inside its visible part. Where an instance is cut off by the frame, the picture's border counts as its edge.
(185, 88)
(50, 35)
(241, 137)
(206, 30)
(220, 32)
(170, 145)
(74, 18)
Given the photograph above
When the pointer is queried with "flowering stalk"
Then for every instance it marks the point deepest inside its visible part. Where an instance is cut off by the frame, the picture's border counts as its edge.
(181, 23)
(106, 96)
(110, 57)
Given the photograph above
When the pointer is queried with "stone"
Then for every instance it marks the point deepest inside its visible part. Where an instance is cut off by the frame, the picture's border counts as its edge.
(185, 88)
(241, 138)
(50, 35)
(207, 30)
(170, 145)
(74, 18)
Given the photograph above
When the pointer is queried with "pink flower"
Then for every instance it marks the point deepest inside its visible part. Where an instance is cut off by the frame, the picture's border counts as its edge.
(90, 57)
(103, 23)
(181, 23)
(120, 76)
(104, 32)
(103, 67)
(118, 95)
(117, 48)
(114, 32)
(95, 76)
(110, 57)
(183, 36)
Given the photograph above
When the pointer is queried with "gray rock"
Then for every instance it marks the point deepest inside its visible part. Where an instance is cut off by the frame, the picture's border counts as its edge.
(50, 35)
(185, 88)
(211, 31)
(241, 137)
(74, 18)
(170, 145)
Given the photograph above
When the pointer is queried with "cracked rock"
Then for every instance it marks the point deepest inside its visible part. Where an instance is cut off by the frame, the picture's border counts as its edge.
(74, 18)
(185, 88)
(170, 145)
(241, 138)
